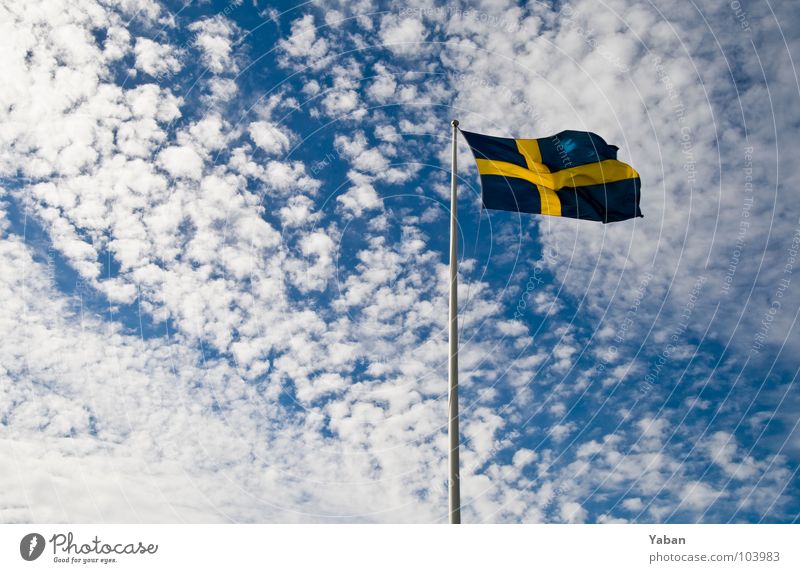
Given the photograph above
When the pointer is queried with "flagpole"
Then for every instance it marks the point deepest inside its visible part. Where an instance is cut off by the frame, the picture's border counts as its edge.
(454, 489)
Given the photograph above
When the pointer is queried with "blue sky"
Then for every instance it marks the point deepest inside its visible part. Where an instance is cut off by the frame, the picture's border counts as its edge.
(224, 232)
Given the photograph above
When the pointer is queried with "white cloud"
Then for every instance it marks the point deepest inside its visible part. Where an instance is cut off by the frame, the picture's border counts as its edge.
(181, 161)
(572, 512)
(698, 495)
(404, 36)
(338, 103)
(269, 137)
(633, 504)
(723, 450)
(214, 36)
(383, 86)
(360, 197)
(210, 132)
(155, 59)
(303, 43)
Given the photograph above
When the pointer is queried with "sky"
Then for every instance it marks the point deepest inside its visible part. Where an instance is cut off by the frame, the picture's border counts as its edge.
(224, 249)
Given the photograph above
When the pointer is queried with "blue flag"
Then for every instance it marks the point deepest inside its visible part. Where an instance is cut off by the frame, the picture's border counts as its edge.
(571, 174)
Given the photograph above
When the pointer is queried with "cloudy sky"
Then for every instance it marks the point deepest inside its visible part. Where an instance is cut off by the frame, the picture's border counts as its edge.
(223, 263)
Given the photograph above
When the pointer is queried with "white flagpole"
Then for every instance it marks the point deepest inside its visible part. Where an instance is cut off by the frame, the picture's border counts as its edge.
(454, 490)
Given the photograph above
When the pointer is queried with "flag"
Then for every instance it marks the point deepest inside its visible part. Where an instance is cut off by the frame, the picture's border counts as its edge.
(571, 174)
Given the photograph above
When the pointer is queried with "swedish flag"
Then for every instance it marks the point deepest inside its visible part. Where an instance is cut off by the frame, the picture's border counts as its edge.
(571, 174)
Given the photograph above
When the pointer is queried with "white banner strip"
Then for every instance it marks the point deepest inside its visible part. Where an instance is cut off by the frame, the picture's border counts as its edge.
(400, 548)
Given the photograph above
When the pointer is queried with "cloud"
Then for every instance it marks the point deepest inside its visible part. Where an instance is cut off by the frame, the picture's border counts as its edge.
(269, 137)
(181, 161)
(698, 495)
(342, 103)
(403, 36)
(214, 36)
(384, 86)
(303, 44)
(360, 197)
(155, 59)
